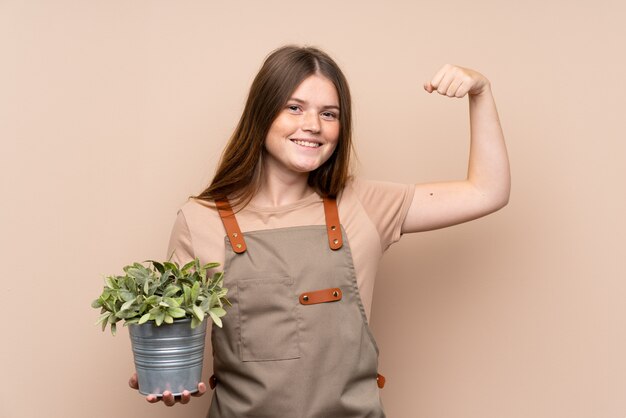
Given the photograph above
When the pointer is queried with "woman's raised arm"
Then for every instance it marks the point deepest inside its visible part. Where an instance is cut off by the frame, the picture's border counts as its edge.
(487, 186)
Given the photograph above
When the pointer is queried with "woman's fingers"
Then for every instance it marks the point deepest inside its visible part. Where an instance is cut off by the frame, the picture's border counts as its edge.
(201, 389)
(462, 90)
(168, 398)
(455, 81)
(132, 382)
(152, 398)
(446, 82)
(453, 88)
(185, 397)
(436, 80)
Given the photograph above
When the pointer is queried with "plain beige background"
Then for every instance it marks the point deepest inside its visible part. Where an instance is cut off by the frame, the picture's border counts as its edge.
(112, 112)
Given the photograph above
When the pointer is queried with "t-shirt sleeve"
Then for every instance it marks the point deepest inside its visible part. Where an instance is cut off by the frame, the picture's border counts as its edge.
(180, 246)
(386, 204)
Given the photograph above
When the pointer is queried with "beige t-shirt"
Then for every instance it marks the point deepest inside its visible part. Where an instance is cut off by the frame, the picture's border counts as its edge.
(371, 213)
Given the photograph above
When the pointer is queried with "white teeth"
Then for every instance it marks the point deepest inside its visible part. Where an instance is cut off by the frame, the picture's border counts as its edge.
(306, 143)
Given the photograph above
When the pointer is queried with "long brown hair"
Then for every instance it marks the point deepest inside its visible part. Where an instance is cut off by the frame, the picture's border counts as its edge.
(239, 172)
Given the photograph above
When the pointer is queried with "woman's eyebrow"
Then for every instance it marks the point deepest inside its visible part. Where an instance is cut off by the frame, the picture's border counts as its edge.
(295, 99)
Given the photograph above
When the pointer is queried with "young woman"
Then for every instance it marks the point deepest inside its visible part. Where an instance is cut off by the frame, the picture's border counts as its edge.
(300, 239)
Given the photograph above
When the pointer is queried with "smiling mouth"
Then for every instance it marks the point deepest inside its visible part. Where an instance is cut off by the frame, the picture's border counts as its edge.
(306, 143)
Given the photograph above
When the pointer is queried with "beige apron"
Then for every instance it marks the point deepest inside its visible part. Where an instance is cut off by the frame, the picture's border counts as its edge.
(295, 343)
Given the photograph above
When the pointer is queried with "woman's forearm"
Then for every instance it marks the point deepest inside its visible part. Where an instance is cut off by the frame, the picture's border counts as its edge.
(488, 167)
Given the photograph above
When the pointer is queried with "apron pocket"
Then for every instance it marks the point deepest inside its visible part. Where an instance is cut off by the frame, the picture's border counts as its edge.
(268, 319)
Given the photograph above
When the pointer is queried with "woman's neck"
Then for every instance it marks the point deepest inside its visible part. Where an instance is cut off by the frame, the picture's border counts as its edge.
(280, 189)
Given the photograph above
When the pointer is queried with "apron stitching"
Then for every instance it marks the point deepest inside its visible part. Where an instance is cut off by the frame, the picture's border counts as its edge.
(357, 293)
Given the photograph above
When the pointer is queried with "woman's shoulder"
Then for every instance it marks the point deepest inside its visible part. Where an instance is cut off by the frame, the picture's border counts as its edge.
(197, 211)
(193, 205)
(363, 188)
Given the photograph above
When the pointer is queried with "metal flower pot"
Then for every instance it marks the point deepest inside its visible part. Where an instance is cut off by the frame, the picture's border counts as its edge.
(168, 357)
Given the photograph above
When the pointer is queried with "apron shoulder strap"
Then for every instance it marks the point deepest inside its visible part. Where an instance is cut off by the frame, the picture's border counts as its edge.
(331, 214)
(333, 228)
(231, 226)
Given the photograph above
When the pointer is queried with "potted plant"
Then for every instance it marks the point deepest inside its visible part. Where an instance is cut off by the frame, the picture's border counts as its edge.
(165, 307)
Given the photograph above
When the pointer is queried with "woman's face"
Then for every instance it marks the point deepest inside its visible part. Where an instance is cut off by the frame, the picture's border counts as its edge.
(306, 131)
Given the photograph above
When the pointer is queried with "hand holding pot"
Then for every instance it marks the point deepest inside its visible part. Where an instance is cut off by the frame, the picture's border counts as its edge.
(168, 398)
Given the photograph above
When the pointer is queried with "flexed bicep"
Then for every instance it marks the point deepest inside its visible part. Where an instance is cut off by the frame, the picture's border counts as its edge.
(487, 186)
(438, 205)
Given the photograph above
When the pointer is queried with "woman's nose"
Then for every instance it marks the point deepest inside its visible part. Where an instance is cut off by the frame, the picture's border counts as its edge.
(310, 122)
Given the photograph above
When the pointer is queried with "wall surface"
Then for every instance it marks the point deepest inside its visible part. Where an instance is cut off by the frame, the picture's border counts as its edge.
(113, 112)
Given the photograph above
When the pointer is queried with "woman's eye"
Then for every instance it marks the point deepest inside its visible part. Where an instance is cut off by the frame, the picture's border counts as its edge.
(293, 108)
(329, 115)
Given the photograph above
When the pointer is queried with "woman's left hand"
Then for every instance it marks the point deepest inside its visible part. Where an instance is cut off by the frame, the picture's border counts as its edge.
(455, 81)
(168, 397)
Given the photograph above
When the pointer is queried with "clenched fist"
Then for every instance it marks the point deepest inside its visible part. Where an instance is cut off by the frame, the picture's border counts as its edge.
(455, 81)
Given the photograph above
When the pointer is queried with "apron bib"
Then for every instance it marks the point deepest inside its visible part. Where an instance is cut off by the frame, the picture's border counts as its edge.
(295, 343)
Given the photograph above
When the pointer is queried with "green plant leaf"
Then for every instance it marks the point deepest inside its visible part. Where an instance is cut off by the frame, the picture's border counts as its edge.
(171, 290)
(152, 300)
(195, 291)
(159, 318)
(137, 273)
(176, 312)
(113, 329)
(103, 318)
(129, 283)
(127, 305)
(109, 305)
(209, 266)
(127, 314)
(162, 291)
(165, 277)
(195, 322)
(144, 318)
(171, 302)
(156, 265)
(198, 313)
(154, 286)
(173, 267)
(168, 319)
(187, 294)
(187, 266)
(218, 311)
(110, 282)
(126, 295)
(216, 319)
(214, 299)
